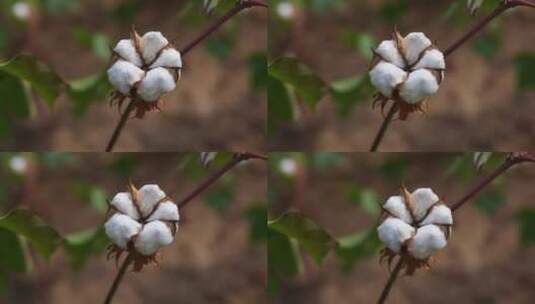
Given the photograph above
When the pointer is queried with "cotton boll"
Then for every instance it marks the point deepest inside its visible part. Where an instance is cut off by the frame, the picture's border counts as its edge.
(169, 58)
(126, 49)
(421, 200)
(393, 232)
(396, 207)
(148, 197)
(166, 211)
(22, 10)
(419, 85)
(389, 52)
(439, 215)
(121, 228)
(151, 44)
(123, 203)
(433, 59)
(414, 44)
(427, 240)
(157, 82)
(386, 76)
(153, 236)
(123, 75)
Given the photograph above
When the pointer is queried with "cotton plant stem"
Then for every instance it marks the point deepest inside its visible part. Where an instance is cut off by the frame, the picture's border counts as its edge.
(503, 7)
(118, 278)
(512, 160)
(384, 127)
(242, 5)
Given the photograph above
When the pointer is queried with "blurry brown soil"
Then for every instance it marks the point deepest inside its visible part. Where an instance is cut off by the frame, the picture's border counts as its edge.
(211, 260)
(483, 262)
(213, 108)
(477, 107)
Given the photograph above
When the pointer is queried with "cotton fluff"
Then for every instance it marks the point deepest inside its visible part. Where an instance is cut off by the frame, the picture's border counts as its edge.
(143, 219)
(407, 70)
(414, 223)
(147, 67)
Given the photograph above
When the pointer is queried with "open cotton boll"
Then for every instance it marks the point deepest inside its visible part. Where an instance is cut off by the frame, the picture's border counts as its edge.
(421, 200)
(414, 44)
(433, 59)
(123, 75)
(121, 228)
(157, 82)
(393, 232)
(396, 207)
(418, 86)
(151, 44)
(148, 197)
(389, 52)
(439, 215)
(153, 236)
(122, 201)
(166, 211)
(126, 50)
(169, 58)
(427, 240)
(386, 76)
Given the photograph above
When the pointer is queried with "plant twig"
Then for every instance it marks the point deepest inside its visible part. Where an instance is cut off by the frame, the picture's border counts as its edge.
(393, 276)
(211, 29)
(504, 6)
(384, 127)
(512, 159)
(238, 158)
(127, 261)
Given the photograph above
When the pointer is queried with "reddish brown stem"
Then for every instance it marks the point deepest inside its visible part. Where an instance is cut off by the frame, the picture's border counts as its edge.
(384, 127)
(119, 278)
(211, 29)
(393, 276)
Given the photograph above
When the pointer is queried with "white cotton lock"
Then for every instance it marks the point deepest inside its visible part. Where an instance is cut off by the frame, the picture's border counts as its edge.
(394, 232)
(396, 207)
(152, 237)
(166, 211)
(151, 44)
(421, 200)
(432, 59)
(439, 215)
(414, 44)
(123, 75)
(123, 203)
(148, 197)
(389, 52)
(125, 49)
(169, 58)
(427, 240)
(121, 228)
(157, 82)
(419, 85)
(386, 76)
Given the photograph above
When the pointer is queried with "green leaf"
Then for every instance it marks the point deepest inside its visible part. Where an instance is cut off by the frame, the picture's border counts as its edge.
(490, 200)
(25, 223)
(525, 219)
(218, 199)
(296, 74)
(525, 70)
(40, 76)
(314, 239)
(352, 248)
(363, 42)
(365, 198)
(394, 10)
(349, 92)
(480, 159)
(488, 44)
(11, 253)
(283, 260)
(13, 98)
(279, 106)
(97, 42)
(220, 46)
(81, 245)
(258, 70)
(3, 282)
(256, 216)
(83, 91)
(95, 196)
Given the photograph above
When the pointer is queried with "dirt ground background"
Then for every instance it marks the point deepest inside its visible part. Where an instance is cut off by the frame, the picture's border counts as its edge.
(482, 263)
(210, 261)
(476, 108)
(213, 108)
